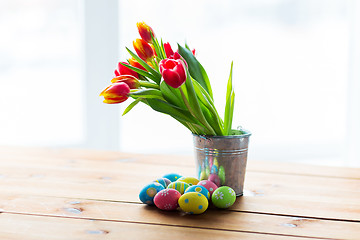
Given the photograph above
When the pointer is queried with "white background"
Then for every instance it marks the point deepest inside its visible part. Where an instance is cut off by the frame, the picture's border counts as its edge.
(292, 74)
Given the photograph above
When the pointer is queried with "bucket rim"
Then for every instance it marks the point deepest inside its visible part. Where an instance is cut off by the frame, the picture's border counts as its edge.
(246, 134)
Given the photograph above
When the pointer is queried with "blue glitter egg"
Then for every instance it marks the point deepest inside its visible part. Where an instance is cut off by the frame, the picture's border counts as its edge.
(198, 189)
(172, 176)
(148, 193)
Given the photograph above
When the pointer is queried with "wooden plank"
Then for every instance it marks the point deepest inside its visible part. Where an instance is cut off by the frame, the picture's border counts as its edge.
(23, 155)
(333, 198)
(211, 219)
(20, 227)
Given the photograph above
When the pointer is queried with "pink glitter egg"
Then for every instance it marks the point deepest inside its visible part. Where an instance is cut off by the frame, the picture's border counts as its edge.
(209, 185)
(167, 199)
(215, 179)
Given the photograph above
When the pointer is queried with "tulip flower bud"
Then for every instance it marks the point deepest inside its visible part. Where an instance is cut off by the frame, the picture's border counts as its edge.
(143, 50)
(136, 64)
(122, 70)
(116, 93)
(173, 72)
(145, 32)
(131, 81)
(168, 50)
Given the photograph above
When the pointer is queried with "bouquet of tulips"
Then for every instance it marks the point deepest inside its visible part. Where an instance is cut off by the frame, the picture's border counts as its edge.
(173, 83)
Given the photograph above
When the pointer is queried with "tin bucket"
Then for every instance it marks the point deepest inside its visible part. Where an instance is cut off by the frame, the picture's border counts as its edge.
(222, 159)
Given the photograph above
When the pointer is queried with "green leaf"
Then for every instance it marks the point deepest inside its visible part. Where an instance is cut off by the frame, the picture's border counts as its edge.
(146, 66)
(216, 121)
(172, 95)
(196, 69)
(147, 93)
(157, 47)
(131, 106)
(229, 107)
(172, 110)
(163, 49)
(140, 71)
(192, 103)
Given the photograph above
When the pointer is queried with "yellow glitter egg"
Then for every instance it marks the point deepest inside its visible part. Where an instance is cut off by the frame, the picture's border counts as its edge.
(193, 203)
(189, 180)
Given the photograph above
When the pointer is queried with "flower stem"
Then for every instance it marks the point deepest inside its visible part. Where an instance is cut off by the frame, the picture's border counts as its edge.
(205, 123)
(149, 85)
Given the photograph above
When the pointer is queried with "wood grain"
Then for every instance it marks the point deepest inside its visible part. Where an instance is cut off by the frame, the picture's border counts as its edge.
(302, 196)
(211, 219)
(57, 155)
(44, 191)
(25, 227)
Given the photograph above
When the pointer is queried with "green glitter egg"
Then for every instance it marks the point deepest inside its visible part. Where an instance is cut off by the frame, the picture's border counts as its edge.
(223, 197)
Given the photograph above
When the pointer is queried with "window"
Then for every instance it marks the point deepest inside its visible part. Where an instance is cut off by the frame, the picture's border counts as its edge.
(40, 86)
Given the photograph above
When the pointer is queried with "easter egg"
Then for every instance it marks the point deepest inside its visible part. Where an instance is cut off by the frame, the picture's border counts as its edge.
(163, 181)
(215, 179)
(167, 199)
(221, 174)
(223, 197)
(193, 203)
(189, 180)
(148, 193)
(180, 186)
(199, 189)
(209, 185)
(214, 169)
(172, 176)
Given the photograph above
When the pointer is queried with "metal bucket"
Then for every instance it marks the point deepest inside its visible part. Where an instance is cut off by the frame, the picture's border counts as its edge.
(222, 159)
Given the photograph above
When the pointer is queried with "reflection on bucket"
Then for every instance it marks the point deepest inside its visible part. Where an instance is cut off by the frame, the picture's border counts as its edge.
(222, 159)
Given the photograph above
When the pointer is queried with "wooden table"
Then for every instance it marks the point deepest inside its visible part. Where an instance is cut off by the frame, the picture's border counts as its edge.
(81, 194)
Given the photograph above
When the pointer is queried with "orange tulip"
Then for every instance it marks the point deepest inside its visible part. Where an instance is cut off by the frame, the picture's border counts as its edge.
(116, 93)
(136, 64)
(145, 32)
(131, 81)
(143, 50)
(122, 70)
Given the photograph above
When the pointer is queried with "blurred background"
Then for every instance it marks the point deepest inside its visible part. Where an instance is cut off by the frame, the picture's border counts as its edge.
(296, 74)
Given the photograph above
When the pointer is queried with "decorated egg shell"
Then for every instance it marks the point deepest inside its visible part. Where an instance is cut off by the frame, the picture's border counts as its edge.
(172, 176)
(167, 199)
(180, 186)
(193, 203)
(223, 197)
(209, 185)
(189, 180)
(215, 179)
(199, 189)
(221, 174)
(163, 181)
(148, 193)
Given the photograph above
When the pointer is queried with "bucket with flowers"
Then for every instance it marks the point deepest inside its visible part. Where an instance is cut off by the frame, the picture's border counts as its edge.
(176, 84)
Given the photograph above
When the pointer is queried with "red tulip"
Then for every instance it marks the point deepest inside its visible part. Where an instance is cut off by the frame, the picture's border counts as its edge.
(116, 93)
(145, 31)
(168, 50)
(122, 70)
(131, 81)
(143, 50)
(136, 64)
(173, 72)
